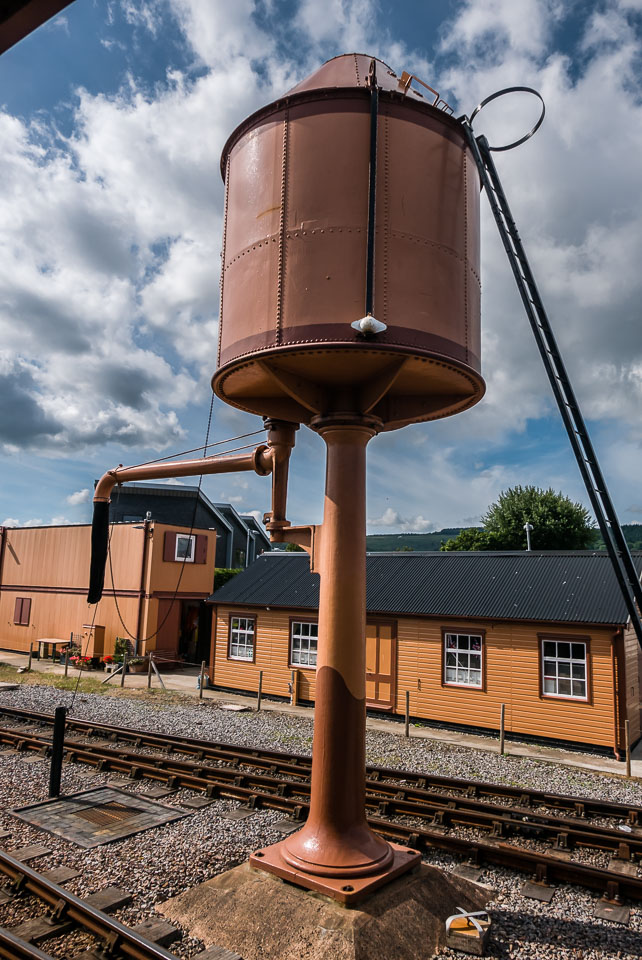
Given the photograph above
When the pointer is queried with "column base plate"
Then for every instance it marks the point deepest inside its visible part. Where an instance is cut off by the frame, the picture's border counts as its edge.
(346, 890)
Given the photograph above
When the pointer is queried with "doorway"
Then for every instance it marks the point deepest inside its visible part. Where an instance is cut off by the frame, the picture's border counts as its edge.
(381, 664)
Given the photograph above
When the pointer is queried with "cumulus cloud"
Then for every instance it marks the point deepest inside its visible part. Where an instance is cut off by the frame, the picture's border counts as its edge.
(393, 519)
(80, 496)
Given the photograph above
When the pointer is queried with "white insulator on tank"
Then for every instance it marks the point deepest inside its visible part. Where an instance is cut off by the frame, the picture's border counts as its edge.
(369, 325)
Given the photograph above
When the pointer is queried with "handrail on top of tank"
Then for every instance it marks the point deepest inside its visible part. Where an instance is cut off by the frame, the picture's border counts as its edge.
(501, 93)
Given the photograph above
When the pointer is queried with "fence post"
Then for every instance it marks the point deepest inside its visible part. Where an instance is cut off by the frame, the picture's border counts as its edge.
(293, 689)
(122, 676)
(407, 713)
(501, 729)
(67, 655)
(202, 683)
(30, 656)
(259, 692)
(57, 749)
(149, 670)
(627, 747)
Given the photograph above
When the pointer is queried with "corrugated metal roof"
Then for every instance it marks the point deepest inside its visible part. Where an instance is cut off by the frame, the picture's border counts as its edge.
(569, 587)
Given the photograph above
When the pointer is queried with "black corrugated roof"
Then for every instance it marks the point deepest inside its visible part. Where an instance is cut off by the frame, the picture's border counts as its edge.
(578, 587)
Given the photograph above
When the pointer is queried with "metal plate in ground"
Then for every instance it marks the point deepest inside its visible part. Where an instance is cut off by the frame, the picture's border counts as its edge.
(93, 817)
(538, 891)
(605, 910)
(238, 813)
(287, 826)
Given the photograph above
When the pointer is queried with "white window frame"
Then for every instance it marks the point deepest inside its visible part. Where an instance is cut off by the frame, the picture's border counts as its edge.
(305, 646)
(242, 637)
(572, 663)
(192, 539)
(458, 650)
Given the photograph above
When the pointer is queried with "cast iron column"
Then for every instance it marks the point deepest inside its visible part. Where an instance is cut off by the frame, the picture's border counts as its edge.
(336, 840)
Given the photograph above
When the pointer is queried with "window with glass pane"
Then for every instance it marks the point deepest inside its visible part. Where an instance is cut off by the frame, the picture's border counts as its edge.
(564, 670)
(303, 644)
(185, 548)
(463, 659)
(241, 638)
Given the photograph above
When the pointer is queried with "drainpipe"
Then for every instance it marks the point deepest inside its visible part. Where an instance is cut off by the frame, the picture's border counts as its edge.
(247, 548)
(142, 591)
(3, 544)
(616, 694)
(213, 642)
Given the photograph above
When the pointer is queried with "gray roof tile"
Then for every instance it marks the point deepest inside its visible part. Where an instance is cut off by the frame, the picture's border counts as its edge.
(577, 587)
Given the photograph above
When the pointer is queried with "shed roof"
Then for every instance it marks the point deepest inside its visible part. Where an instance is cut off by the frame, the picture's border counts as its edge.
(577, 587)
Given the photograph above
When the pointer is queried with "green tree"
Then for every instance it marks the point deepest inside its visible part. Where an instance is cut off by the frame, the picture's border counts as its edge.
(293, 548)
(558, 523)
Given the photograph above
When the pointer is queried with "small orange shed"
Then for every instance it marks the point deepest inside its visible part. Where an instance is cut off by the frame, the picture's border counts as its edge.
(545, 634)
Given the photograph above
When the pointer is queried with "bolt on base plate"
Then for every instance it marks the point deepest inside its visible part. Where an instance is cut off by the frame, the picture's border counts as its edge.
(348, 890)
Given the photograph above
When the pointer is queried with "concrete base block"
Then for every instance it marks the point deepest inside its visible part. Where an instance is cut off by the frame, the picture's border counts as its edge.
(263, 918)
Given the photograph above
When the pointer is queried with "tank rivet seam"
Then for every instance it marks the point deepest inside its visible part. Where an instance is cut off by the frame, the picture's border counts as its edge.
(466, 252)
(282, 229)
(223, 267)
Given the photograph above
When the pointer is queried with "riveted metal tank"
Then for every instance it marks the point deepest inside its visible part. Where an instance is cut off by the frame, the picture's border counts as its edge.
(298, 204)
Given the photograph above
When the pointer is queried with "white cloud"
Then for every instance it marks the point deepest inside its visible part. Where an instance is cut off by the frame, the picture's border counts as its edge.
(392, 518)
(12, 522)
(80, 496)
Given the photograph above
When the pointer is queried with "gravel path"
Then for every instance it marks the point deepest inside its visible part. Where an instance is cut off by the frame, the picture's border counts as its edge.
(163, 862)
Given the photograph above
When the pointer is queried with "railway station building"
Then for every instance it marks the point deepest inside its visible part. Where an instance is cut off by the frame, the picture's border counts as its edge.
(545, 634)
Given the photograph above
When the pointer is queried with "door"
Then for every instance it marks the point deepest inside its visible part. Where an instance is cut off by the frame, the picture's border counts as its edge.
(381, 664)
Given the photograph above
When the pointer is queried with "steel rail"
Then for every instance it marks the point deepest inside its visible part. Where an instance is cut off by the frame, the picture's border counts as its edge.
(13, 948)
(544, 866)
(117, 938)
(381, 798)
(299, 766)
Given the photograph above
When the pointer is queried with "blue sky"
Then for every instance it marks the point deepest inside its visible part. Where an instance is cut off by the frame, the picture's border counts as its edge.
(112, 120)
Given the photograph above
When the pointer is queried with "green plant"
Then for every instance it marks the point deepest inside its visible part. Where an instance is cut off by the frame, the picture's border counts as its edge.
(224, 574)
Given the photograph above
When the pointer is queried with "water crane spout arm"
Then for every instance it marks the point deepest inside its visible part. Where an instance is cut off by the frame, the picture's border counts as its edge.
(271, 458)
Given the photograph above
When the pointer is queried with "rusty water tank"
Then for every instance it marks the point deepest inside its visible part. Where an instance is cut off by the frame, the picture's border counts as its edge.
(294, 255)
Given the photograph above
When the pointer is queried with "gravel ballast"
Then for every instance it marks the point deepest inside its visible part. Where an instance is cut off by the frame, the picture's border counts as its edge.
(165, 861)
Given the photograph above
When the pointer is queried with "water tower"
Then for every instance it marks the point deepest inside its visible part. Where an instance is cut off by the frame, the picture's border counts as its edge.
(350, 302)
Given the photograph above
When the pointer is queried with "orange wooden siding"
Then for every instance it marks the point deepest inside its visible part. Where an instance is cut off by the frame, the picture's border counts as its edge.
(510, 663)
(50, 566)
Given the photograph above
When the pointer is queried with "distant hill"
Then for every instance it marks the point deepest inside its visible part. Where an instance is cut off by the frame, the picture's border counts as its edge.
(432, 541)
(414, 541)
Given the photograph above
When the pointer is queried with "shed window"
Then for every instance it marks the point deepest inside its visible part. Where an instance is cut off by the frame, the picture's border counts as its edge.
(21, 611)
(463, 659)
(185, 547)
(564, 669)
(241, 645)
(303, 643)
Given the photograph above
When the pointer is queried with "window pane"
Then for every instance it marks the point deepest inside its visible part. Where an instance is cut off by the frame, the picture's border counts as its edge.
(475, 677)
(549, 649)
(579, 651)
(464, 642)
(564, 688)
(564, 650)
(579, 688)
(450, 659)
(475, 661)
(579, 671)
(550, 668)
(475, 643)
(564, 669)
(451, 641)
(451, 675)
(462, 661)
(235, 623)
(549, 685)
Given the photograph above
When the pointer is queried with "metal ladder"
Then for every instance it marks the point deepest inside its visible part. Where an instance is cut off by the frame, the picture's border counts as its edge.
(596, 488)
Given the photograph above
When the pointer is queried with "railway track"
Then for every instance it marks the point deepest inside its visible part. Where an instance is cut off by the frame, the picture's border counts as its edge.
(280, 781)
(62, 913)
